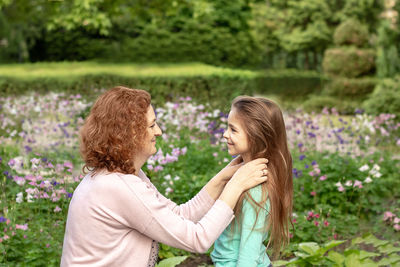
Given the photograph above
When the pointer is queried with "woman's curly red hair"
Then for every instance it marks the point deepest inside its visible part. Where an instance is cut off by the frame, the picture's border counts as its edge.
(114, 130)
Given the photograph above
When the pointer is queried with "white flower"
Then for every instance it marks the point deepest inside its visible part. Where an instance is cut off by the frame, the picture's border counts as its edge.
(338, 184)
(20, 197)
(167, 177)
(177, 178)
(364, 168)
(376, 167)
(368, 180)
(29, 198)
(348, 183)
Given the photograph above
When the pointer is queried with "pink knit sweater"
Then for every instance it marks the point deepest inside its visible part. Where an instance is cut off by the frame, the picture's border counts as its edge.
(113, 218)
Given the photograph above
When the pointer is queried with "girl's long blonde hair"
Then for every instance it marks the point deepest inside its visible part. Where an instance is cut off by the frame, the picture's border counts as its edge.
(265, 128)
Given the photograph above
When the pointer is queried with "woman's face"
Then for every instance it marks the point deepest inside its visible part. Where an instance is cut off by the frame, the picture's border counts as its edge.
(149, 142)
(236, 137)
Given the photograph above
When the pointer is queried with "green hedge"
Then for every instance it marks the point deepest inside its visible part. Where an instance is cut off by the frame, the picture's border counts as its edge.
(204, 83)
(349, 61)
(357, 89)
(385, 98)
(351, 32)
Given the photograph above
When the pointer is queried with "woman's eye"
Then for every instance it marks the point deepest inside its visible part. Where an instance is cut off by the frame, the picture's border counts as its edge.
(152, 126)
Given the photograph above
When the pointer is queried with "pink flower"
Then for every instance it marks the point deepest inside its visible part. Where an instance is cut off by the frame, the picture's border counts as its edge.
(313, 193)
(326, 223)
(396, 227)
(57, 209)
(388, 215)
(323, 178)
(316, 215)
(316, 223)
(310, 213)
(6, 237)
(294, 221)
(311, 173)
(335, 236)
(47, 245)
(341, 188)
(215, 154)
(396, 220)
(357, 184)
(22, 226)
(25, 236)
(1, 240)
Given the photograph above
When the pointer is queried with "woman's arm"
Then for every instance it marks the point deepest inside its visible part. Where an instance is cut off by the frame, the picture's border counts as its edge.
(198, 206)
(144, 212)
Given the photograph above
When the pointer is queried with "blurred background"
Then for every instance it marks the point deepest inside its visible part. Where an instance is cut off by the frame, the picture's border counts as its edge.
(332, 65)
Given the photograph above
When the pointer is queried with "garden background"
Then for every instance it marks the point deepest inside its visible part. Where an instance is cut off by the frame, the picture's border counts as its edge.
(332, 65)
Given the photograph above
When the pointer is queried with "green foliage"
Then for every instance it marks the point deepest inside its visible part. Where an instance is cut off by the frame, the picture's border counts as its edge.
(171, 262)
(318, 102)
(385, 98)
(349, 61)
(388, 60)
(351, 32)
(202, 82)
(311, 254)
(352, 89)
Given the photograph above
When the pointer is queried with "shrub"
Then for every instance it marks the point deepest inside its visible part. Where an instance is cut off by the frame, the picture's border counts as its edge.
(348, 62)
(318, 102)
(351, 32)
(202, 82)
(385, 98)
(357, 89)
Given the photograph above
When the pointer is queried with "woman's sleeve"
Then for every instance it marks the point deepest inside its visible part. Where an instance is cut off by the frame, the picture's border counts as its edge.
(194, 209)
(147, 212)
(252, 233)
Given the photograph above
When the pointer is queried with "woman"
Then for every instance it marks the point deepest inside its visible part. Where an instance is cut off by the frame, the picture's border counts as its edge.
(256, 129)
(116, 216)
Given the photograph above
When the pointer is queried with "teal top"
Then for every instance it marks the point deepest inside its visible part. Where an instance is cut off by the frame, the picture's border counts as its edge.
(243, 247)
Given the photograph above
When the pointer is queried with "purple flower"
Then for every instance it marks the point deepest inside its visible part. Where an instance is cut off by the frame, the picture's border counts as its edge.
(301, 157)
(11, 162)
(313, 163)
(2, 219)
(306, 166)
(69, 195)
(300, 145)
(28, 149)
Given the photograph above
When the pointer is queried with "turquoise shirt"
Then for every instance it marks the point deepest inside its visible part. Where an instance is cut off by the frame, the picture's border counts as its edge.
(243, 247)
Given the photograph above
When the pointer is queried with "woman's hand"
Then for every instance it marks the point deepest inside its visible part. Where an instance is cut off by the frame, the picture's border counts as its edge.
(247, 176)
(226, 173)
(250, 174)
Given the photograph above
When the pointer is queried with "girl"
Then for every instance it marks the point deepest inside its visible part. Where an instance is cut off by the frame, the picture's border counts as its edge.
(256, 129)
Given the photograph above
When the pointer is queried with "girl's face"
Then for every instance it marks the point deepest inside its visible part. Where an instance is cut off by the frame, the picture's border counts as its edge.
(236, 137)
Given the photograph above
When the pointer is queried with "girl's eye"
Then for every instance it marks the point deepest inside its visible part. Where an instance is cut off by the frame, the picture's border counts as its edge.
(152, 126)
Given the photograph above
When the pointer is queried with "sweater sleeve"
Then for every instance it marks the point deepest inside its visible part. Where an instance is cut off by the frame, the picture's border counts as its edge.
(147, 212)
(252, 232)
(192, 210)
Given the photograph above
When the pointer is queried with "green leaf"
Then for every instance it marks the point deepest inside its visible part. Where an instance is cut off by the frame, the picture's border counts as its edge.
(280, 263)
(171, 262)
(370, 239)
(352, 260)
(336, 257)
(309, 247)
(365, 254)
(301, 255)
(327, 246)
(388, 249)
